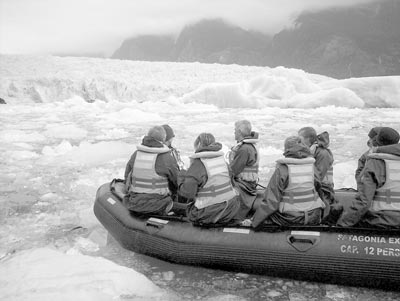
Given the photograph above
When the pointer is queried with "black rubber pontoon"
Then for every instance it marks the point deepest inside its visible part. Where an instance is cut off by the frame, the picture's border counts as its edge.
(363, 257)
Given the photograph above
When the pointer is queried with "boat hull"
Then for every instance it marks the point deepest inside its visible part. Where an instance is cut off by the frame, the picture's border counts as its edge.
(353, 257)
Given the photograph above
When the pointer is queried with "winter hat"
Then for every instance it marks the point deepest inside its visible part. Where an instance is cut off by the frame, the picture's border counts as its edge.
(387, 136)
(291, 141)
(169, 131)
(374, 131)
(323, 139)
(157, 132)
(204, 139)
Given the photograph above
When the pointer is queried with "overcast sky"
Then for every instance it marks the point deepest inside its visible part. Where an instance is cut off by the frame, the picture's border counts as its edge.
(84, 26)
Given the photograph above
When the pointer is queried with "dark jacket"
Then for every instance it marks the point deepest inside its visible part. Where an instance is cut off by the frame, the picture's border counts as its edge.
(360, 167)
(245, 154)
(373, 177)
(268, 209)
(323, 162)
(165, 166)
(189, 184)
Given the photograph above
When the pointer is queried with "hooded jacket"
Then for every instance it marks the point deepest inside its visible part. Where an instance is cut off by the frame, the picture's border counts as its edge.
(165, 166)
(372, 180)
(245, 155)
(192, 182)
(323, 159)
(275, 191)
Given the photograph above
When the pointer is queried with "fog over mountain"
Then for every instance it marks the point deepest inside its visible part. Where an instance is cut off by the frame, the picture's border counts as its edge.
(356, 41)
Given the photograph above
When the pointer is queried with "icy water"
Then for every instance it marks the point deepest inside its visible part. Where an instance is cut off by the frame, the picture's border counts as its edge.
(54, 156)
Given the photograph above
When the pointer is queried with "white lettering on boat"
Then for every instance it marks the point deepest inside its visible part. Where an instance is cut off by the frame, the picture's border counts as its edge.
(394, 240)
(236, 230)
(305, 233)
(382, 251)
(111, 201)
(372, 251)
(157, 220)
(349, 249)
(368, 239)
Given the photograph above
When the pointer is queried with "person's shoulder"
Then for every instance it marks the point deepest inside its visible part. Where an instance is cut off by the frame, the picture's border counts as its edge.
(167, 157)
(196, 167)
(374, 164)
(322, 151)
(248, 147)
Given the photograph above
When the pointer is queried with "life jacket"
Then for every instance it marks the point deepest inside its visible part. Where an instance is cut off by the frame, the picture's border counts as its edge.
(143, 177)
(249, 173)
(387, 197)
(300, 194)
(328, 178)
(218, 188)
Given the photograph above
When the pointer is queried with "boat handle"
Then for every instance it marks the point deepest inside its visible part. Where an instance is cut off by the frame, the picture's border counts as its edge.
(302, 243)
(150, 223)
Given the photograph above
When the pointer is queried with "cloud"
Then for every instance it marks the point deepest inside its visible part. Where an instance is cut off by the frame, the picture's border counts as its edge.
(72, 26)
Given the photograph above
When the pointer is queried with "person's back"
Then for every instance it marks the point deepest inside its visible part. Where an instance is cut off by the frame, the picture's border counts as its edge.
(319, 147)
(290, 197)
(378, 202)
(206, 185)
(244, 164)
(363, 158)
(151, 176)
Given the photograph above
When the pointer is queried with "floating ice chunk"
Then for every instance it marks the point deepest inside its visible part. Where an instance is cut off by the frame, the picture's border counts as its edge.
(46, 274)
(63, 148)
(270, 150)
(343, 174)
(18, 135)
(87, 153)
(86, 245)
(99, 236)
(339, 97)
(68, 131)
(129, 115)
(22, 155)
(113, 134)
(87, 218)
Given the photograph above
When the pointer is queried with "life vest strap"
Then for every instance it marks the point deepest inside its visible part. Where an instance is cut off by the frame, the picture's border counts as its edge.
(149, 183)
(388, 196)
(292, 197)
(253, 168)
(212, 191)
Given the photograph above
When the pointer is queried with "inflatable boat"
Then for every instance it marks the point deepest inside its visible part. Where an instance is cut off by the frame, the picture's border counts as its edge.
(360, 257)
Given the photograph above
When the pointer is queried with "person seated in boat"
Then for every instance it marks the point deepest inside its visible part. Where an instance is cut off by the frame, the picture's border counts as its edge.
(319, 147)
(377, 203)
(243, 164)
(291, 197)
(206, 185)
(151, 176)
(168, 142)
(361, 161)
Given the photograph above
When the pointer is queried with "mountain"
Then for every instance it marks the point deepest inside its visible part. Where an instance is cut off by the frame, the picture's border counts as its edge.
(215, 41)
(208, 41)
(146, 48)
(348, 42)
(352, 42)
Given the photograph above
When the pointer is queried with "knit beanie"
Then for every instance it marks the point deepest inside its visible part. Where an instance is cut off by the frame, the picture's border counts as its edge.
(374, 131)
(387, 136)
(169, 131)
(291, 141)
